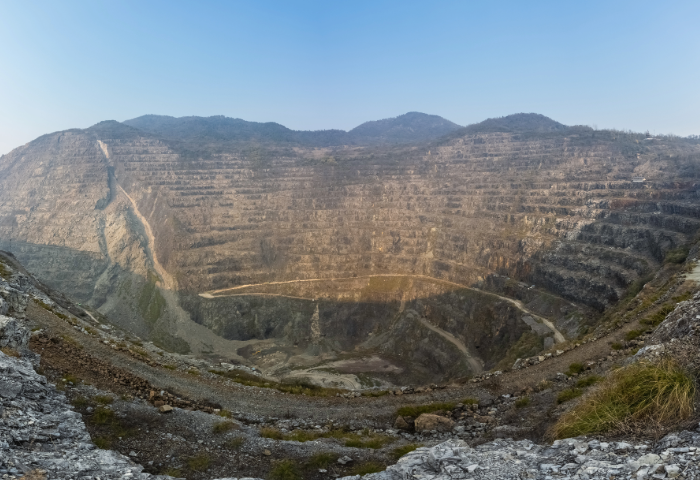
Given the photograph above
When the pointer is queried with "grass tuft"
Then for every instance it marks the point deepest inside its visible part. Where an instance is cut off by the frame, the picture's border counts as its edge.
(285, 470)
(234, 443)
(364, 439)
(321, 460)
(588, 381)
(367, 468)
(569, 394)
(522, 402)
(103, 399)
(222, 427)
(575, 368)
(103, 443)
(399, 452)
(273, 433)
(199, 463)
(637, 396)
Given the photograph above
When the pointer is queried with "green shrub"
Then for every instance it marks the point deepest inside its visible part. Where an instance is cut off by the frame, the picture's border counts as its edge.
(199, 463)
(234, 443)
(102, 416)
(677, 255)
(569, 394)
(285, 470)
(632, 334)
(575, 368)
(80, 402)
(522, 402)
(273, 433)
(658, 317)
(103, 399)
(222, 427)
(617, 346)
(588, 381)
(321, 460)
(103, 443)
(642, 394)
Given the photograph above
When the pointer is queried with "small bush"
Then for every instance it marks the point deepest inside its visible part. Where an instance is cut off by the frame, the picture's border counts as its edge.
(103, 399)
(199, 463)
(103, 443)
(470, 401)
(169, 367)
(273, 433)
(222, 427)
(285, 470)
(416, 410)
(658, 317)
(399, 452)
(632, 334)
(173, 472)
(234, 443)
(225, 414)
(677, 255)
(569, 394)
(588, 381)
(642, 395)
(321, 460)
(102, 416)
(522, 402)
(575, 368)
(80, 402)
(367, 468)
(617, 346)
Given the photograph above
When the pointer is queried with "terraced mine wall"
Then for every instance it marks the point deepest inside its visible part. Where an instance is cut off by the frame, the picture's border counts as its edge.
(138, 226)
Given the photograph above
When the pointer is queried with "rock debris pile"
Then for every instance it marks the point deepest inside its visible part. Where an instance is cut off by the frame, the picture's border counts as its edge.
(675, 456)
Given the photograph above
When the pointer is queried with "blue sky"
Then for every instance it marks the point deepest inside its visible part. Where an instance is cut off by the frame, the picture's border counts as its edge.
(316, 65)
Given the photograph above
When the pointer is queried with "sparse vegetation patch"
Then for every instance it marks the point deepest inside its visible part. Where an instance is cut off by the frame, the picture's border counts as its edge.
(654, 394)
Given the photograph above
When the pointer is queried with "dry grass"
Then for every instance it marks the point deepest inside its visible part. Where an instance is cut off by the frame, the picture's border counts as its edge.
(223, 427)
(637, 398)
(363, 439)
(285, 470)
(399, 452)
(10, 352)
(34, 475)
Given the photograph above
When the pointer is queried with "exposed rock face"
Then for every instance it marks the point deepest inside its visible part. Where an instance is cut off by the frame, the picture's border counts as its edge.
(12, 333)
(139, 226)
(572, 458)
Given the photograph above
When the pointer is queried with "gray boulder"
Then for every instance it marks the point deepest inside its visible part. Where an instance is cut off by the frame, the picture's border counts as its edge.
(13, 334)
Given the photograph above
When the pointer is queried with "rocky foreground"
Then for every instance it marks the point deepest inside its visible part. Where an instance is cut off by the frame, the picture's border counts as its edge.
(41, 435)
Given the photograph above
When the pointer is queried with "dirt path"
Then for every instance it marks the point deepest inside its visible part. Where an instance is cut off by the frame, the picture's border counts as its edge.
(475, 364)
(558, 337)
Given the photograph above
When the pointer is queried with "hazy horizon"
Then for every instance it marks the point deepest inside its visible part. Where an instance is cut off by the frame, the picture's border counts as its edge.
(314, 66)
